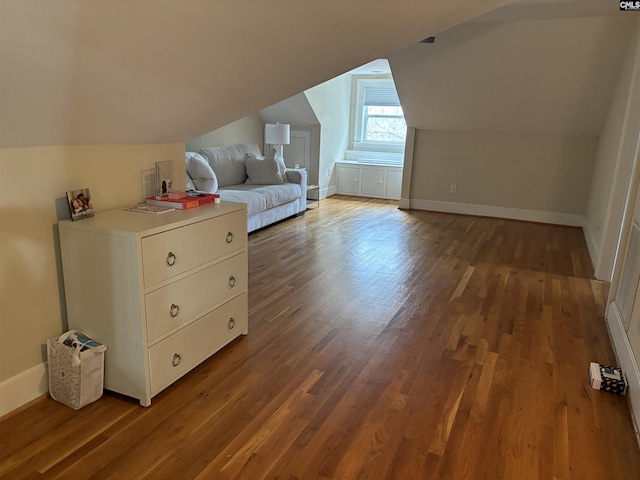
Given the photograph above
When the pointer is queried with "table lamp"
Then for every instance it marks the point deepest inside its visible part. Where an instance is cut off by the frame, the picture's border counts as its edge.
(277, 135)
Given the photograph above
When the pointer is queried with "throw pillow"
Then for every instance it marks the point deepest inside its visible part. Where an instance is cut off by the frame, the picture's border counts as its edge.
(227, 163)
(203, 176)
(262, 170)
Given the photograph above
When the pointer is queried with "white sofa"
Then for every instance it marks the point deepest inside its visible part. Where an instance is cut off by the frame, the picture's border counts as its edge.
(239, 173)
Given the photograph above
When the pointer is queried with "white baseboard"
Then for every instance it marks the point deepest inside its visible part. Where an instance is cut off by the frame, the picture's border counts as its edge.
(626, 360)
(404, 204)
(327, 192)
(591, 246)
(499, 212)
(22, 388)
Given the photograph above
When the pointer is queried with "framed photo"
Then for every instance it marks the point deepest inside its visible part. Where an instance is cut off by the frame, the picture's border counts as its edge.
(80, 204)
(163, 178)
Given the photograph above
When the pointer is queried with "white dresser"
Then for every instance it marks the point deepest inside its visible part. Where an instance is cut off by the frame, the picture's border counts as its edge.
(164, 292)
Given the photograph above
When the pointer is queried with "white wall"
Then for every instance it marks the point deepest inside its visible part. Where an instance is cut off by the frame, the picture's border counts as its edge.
(247, 129)
(330, 102)
(297, 112)
(546, 174)
(33, 184)
(613, 165)
(510, 113)
(293, 110)
(541, 76)
(625, 153)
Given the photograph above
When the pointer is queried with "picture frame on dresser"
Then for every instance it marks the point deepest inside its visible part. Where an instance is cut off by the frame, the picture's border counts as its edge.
(163, 178)
(80, 205)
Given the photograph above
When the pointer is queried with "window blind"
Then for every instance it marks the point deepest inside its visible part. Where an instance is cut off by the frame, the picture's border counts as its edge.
(385, 97)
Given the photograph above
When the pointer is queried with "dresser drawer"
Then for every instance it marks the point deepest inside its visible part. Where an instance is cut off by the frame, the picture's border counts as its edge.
(176, 251)
(176, 355)
(174, 304)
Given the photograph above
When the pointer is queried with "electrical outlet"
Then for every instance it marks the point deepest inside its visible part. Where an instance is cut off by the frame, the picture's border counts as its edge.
(329, 171)
(452, 189)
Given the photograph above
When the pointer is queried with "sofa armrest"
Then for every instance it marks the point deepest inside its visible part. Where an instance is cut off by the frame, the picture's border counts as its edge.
(297, 175)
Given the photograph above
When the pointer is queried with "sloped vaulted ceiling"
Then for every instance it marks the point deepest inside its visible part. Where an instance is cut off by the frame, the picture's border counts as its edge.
(131, 72)
(553, 76)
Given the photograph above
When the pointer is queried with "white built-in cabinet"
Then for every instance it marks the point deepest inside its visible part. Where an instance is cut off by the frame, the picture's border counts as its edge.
(163, 292)
(369, 180)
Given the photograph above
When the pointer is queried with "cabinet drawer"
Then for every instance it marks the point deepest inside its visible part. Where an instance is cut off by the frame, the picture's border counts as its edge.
(176, 251)
(176, 355)
(176, 303)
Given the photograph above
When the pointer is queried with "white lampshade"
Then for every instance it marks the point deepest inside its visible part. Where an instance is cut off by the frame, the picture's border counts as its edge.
(277, 133)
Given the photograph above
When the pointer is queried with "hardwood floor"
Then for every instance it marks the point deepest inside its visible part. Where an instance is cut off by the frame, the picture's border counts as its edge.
(383, 344)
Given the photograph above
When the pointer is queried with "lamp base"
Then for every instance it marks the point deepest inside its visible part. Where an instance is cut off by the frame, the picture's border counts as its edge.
(279, 150)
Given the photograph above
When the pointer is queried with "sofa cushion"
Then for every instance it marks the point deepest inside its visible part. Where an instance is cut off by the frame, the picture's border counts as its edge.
(228, 162)
(263, 170)
(198, 169)
(260, 197)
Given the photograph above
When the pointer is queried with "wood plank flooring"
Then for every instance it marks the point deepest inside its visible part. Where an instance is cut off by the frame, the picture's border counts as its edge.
(383, 344)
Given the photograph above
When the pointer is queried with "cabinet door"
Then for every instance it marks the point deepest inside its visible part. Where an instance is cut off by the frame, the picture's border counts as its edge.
(372, 181)
(394, 184)
(348, 179)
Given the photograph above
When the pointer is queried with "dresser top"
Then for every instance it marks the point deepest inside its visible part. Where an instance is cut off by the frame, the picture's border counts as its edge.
(149, 224)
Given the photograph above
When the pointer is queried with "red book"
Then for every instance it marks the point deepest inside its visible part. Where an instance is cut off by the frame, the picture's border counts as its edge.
(184, 202)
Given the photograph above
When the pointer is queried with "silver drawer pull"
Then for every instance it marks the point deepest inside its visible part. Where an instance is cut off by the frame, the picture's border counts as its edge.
(171, 259)
(174, 310)
(176, 359)
(231, 324)
(229, 237)
(232, 281)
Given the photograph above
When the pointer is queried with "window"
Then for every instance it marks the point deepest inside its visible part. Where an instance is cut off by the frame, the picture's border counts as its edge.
(379, 129)
(383, 120)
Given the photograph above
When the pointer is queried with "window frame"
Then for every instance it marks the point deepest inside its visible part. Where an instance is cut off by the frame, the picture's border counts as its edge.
(358, 142)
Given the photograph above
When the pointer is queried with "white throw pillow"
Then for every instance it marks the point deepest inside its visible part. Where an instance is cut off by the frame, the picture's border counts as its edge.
(262, 170)
(227, 163)
(203, 176)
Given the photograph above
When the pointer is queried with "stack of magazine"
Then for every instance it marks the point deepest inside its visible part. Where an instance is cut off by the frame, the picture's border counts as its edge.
(148, 208)
(187, 200)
